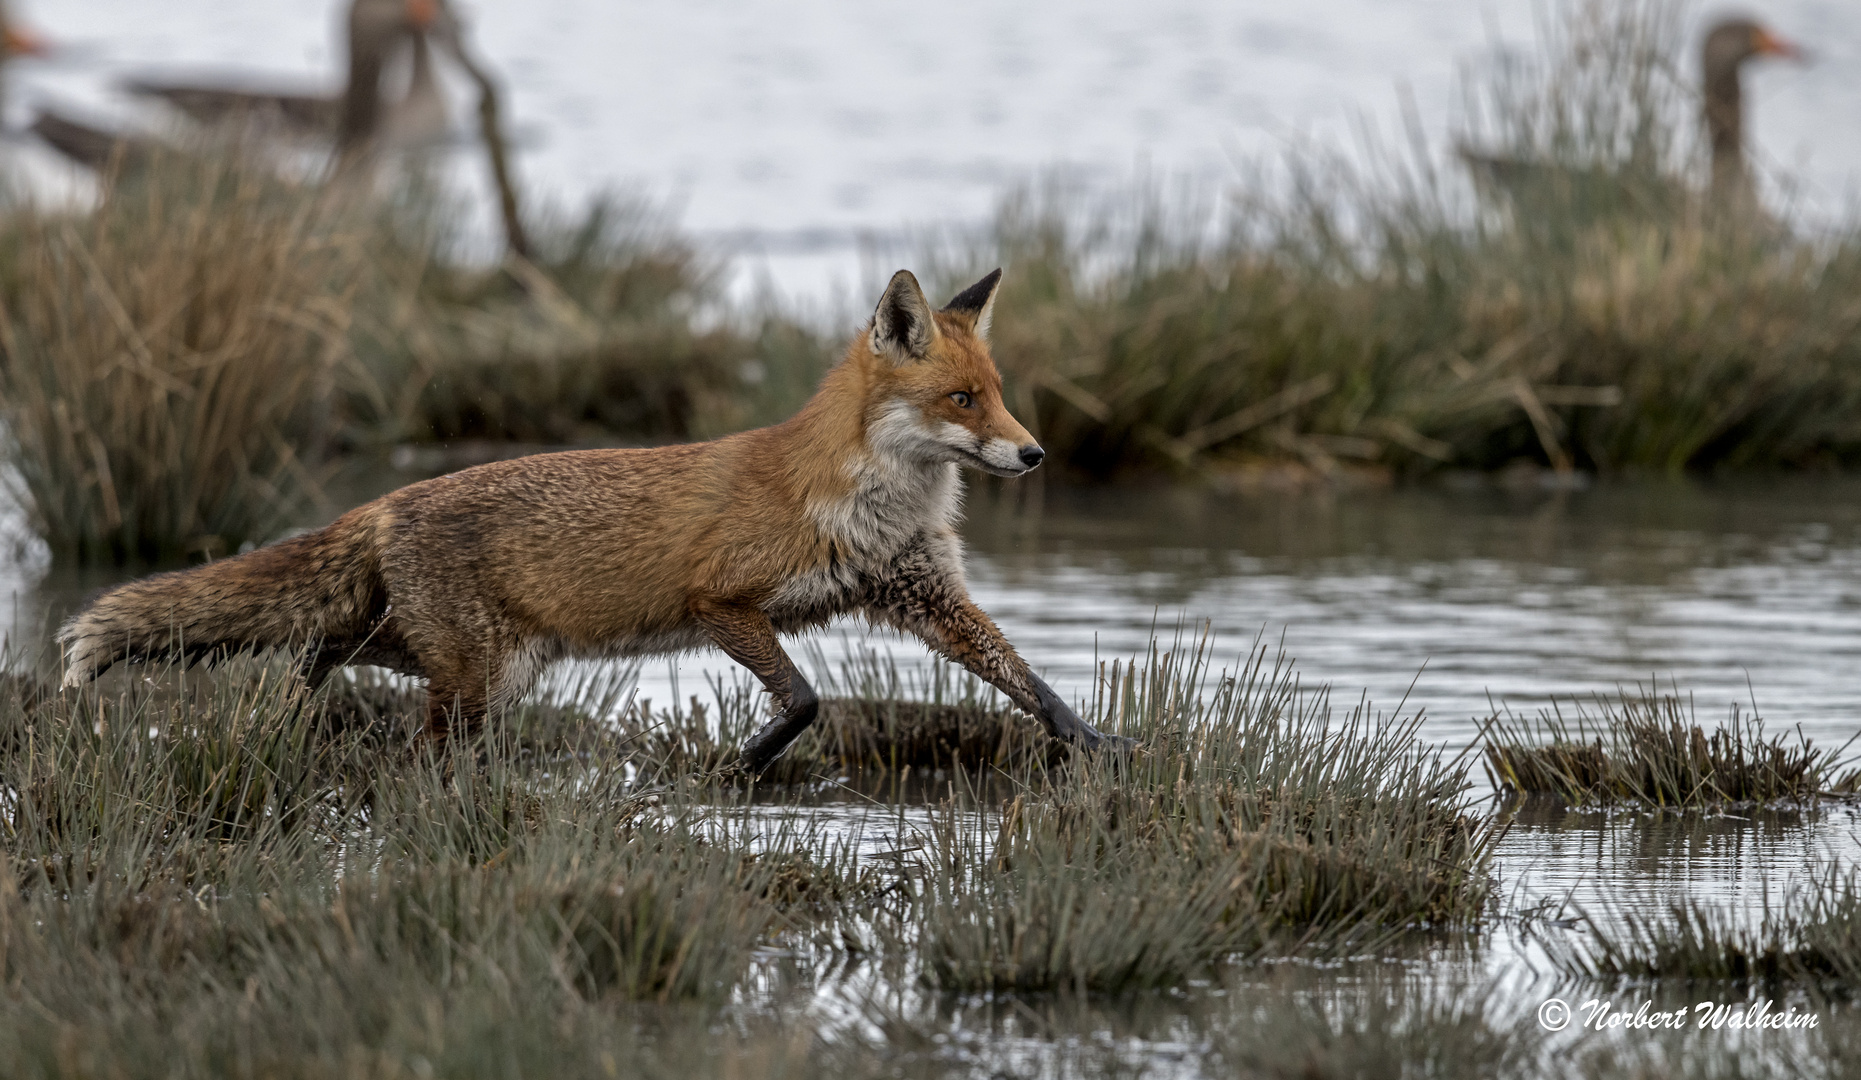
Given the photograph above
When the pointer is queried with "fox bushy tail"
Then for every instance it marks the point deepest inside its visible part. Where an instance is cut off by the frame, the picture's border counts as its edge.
(321, 586)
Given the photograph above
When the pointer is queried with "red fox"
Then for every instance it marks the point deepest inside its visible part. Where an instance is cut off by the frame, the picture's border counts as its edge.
(477, 580)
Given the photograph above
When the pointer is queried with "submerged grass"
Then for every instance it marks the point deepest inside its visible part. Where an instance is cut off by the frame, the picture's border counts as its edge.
(1813, 938)
(1647, 749)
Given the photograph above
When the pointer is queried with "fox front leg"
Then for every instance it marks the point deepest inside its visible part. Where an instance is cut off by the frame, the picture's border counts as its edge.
(921, 598)
(746, 636)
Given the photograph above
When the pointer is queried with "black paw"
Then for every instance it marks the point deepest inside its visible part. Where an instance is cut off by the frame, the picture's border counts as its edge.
(1064, 724)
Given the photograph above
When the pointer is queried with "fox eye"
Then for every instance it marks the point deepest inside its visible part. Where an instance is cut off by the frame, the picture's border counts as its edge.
(962, 399)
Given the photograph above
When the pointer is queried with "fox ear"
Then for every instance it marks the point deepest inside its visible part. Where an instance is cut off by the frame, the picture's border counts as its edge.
(903, 325)
(977, 302)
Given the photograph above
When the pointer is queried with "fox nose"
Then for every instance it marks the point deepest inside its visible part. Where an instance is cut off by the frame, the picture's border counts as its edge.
(1032, 455)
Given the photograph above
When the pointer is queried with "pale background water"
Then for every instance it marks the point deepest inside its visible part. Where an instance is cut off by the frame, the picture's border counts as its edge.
(802, 124)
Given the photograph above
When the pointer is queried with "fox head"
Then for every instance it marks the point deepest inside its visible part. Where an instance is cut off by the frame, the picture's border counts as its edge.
(937, 395)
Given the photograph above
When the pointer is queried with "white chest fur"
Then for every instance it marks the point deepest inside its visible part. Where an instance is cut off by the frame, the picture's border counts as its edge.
(903, 486)
(899, 494)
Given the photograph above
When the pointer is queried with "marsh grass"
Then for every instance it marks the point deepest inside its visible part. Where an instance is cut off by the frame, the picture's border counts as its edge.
(1638, 344)
(181, 360)
(1812, 937)
(224, 874)
(1648, 749)
(1251, 820)
(209, 875)
(168, 360)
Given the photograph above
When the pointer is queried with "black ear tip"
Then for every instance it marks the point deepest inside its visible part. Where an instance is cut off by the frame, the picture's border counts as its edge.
(976, 297)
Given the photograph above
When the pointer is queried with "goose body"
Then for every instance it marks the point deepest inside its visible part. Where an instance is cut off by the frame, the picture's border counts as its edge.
(378, 33)
(1726, 47)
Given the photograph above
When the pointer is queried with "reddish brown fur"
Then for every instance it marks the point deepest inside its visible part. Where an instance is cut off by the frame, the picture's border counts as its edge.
(477, 579)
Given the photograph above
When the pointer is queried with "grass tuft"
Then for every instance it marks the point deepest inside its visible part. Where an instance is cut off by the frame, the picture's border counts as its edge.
(1250, 821)
(1647, 749)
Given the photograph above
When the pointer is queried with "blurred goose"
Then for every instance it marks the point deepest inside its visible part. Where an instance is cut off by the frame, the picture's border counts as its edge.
(376, 27)
(288, 113)
(15, 41)
(1725, 49)
(354, 120)
(358, 119)
(1728, 45)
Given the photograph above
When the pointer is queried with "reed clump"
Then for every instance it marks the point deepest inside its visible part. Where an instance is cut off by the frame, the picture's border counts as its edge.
(181, 361)
(1648, 749)
(169, 360)
(597, 338)
(1644, 347)
(1248, 821)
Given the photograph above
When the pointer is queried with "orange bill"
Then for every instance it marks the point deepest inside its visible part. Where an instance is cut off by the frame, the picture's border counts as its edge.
(18, 42)
(1769, 44)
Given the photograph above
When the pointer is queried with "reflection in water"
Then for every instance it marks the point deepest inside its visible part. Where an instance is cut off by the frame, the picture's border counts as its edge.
(1606, 863)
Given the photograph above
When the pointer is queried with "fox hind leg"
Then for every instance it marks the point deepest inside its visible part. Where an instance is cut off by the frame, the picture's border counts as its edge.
(745, 635)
